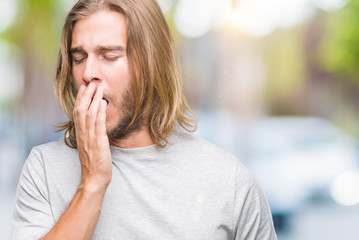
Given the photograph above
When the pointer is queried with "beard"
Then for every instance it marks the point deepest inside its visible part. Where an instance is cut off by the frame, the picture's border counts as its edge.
(123, 129)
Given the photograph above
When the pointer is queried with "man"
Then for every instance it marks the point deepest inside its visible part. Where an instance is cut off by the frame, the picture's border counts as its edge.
(127, 168)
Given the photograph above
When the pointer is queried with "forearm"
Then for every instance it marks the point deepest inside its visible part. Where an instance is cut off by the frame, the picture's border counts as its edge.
(79, 220)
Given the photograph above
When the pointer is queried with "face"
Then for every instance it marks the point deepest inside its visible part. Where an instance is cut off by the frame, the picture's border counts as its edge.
(98, 50)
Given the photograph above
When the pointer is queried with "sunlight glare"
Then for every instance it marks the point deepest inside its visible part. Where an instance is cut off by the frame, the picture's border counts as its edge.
(194, 18)
(345, 189)
(330, 5)
(166, 5)
(8, 10)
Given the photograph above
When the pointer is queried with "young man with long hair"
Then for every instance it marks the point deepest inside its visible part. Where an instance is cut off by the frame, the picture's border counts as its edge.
(128, 166)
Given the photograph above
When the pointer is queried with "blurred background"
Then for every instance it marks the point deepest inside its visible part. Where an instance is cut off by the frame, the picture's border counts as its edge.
(274, 82)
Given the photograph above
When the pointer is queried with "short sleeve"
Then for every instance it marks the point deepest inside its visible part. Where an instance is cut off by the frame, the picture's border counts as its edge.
(32, 217)
(252, 215)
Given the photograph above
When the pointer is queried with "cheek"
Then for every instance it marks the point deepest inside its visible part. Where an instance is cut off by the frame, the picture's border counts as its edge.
(118, 79)
(117, 74)
(77, 76)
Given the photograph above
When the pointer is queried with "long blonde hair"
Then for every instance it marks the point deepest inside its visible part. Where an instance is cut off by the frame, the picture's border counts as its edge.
(155, 75)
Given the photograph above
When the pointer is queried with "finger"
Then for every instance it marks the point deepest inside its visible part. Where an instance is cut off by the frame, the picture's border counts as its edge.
(101, 118)
(78, 96)
(95, 104)
(82, 105)
(86, 98)
(93, 109)
(80, 92)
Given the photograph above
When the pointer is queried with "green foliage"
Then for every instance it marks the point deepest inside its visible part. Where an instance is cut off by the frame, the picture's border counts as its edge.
(35, 35)
(339, 51)
(35, 30)
(285, 60)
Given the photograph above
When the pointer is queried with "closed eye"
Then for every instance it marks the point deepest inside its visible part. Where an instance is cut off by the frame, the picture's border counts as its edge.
(110, 57)
(78, 61)
(78, 57)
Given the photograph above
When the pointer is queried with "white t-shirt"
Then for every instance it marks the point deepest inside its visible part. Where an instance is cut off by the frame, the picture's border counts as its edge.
(188, 190)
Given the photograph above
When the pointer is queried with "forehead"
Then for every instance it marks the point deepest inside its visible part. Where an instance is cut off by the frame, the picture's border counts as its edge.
(100, 28)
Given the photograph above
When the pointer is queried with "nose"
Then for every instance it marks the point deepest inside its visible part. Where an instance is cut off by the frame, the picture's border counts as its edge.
(92, 70)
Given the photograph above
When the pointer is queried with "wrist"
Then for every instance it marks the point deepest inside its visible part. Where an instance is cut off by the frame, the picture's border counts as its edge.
(90, 187)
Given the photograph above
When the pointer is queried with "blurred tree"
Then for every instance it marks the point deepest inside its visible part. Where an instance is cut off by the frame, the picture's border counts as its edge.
(339, 52)
(284, 52)
(36, 32)
(339, 56)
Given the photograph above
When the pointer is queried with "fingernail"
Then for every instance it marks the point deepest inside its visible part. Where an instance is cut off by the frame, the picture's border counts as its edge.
(91, 85)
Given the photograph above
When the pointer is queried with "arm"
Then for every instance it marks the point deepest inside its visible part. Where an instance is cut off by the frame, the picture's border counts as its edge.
(80, 218)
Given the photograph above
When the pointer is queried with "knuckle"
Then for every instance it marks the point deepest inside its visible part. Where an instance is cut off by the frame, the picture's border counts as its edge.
(77, 110)
(90, 114)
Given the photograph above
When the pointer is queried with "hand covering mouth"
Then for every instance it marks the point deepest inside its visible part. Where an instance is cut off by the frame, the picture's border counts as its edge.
(104, 98)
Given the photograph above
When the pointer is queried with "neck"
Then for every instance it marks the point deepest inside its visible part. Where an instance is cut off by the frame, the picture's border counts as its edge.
(137, 139)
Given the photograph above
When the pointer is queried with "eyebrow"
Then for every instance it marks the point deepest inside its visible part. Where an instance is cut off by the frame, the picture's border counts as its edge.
(76, 50)
(98, 48)
(110, 48)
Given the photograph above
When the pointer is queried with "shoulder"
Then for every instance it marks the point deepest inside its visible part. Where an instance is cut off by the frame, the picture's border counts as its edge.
(204, 153)
(196, 144)
(55, 149)
(40, 160)
(212, 155)
(51, 154)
